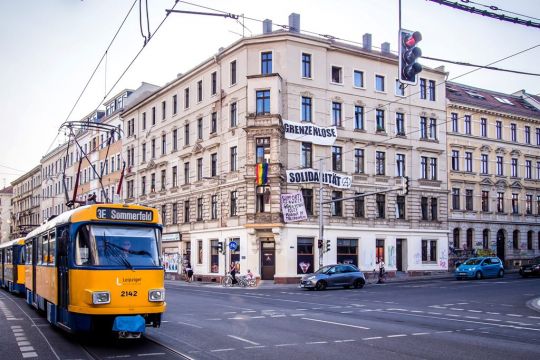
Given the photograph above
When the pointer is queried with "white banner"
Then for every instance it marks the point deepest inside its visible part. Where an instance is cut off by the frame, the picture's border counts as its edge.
(292, 207)
(309, 133)
(312, 176)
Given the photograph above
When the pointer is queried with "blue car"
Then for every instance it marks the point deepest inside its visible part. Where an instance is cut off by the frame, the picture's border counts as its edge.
(479, 268)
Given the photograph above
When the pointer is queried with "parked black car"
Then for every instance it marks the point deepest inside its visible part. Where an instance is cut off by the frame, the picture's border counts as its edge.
(531, 269)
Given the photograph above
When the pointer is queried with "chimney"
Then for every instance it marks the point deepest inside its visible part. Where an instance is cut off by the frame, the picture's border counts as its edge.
(294, 22)
(366, 41)
(267, 26)
(385, 48)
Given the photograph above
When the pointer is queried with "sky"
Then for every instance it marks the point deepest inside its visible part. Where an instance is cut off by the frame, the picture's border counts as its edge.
(49, 50)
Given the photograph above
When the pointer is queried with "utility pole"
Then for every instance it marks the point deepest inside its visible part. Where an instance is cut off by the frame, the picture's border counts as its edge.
(321, 225)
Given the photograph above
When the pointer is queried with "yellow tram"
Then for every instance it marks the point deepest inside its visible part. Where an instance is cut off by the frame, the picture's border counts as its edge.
(12, 266)
(97, 267)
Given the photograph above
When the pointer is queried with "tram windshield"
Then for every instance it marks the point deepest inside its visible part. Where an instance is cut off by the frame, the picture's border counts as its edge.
(125, 246)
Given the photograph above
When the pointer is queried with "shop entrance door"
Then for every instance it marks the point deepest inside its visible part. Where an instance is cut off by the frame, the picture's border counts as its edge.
(268, 260)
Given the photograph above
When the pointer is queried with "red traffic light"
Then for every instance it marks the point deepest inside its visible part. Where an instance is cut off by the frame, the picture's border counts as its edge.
(414, 39)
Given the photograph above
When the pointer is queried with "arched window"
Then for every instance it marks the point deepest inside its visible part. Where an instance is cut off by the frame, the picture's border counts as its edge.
(456, 238)
(529, 240)
(515, 239)
(485, 239)
(469, 239)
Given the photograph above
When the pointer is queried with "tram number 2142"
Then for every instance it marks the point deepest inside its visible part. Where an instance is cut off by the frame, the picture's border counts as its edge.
(128, 293)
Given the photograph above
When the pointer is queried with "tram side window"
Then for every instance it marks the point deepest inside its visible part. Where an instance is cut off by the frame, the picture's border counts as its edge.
(29, 253)
(9, 256)
(45, 255)
(40, 250)
(22, 255)
(82, 248)
(52, 248)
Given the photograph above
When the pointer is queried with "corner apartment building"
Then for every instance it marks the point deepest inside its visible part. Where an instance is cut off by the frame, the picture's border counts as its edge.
(193, 146)
(5, 213)
(494, 174)
(26, 213)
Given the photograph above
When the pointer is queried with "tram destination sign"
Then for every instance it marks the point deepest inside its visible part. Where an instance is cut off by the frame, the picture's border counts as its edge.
(124, 214)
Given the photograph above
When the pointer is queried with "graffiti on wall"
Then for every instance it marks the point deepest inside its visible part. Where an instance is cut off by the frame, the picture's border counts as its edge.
(391, 256)
(443, 260)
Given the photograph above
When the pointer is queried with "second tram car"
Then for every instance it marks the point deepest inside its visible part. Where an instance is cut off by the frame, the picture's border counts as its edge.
(97, 267)
(12, 266)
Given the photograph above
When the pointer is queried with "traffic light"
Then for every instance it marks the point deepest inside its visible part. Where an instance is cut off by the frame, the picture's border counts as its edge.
(408, 54)
(406, 189)
(327, 245)
(320, 244)
(220, 246)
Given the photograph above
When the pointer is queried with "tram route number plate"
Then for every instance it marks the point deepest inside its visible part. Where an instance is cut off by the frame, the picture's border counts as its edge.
(128, 293)
(124, 214)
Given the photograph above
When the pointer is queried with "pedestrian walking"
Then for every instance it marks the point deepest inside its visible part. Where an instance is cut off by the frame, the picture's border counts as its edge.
(189, 272)
(232, 271)
(381, 271)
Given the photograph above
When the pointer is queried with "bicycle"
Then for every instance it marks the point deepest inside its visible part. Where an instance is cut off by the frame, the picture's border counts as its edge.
(245, 282)
(227, 280)
(381, 279)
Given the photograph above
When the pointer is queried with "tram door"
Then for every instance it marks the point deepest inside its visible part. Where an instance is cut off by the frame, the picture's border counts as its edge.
(268, 260)
(62, 261)
(35, 241)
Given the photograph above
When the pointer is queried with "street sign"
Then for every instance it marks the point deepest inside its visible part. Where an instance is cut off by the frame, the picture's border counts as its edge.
(233, 245)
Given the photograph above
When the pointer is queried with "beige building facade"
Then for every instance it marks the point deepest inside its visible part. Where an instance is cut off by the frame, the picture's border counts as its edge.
(26, 213)
(6, 195)
(194, 145)
(494, 174)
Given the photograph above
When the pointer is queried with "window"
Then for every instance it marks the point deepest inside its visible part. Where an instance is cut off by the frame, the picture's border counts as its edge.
(153, 182)
(433, 168)
(528, 204)
(234, 203)
(308, 200)
(455, 123)
(175, 139)
(456, 238)
(455, 160)
(434, 209)
(528, 169)
(424, 207)
(307, 110)
(423, 127)
(305, 261)
(469, 236)
(214, 256)
(483, 127)
(538, 206)
(429, 251)
(400, 165)
(213, 83)
(538, 136)
(306, 155)
(379, 250)
(163, 144)
(379, 83)
(263, 198)
(424, 167)
(347, 251)
(538, 170)
(199, 209)
(336, 114)
(485, 239)
(423, 88)
(233, 114)
(468, 161)
(515, 204)
(513, 132)
(186, 173)
(337, 206)
(527, 135)
(484, 164)
(337, 158)
(500, 202)
(400, 207)
(199, 128)
(144, 121)
(199, 252)
(174, 176)
(306, 65)
(500, 168)
(400, 88)
(514, 168)
(485, 200)
(359, 161)
(266, 62)
(498, 129)
(468, 124)
(379, 117)
(143, 152)
(381, 204)
(199, 91)
(530, 240)
(130, 188)
(163, 110)
(213, 123)
(337, 76)
(431, 90)
(400, 124)
(175, 213)
(455, 199)
(143, 185)
(358, 78)
(358, 117)
(153, 149)
(186, 98)
(214, 207)
(199, 169)
(262, 150)
(163, 179)
(380, 163)
(233, 158)
(263, 102)
(233, 72)
(433, 129)
(469, 200)
(515, 239)
(213, 165)
(153, 115)
(186, 135)
(359, 206)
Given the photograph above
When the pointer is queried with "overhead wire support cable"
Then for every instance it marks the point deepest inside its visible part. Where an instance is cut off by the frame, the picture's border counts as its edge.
(479, 66)
(225, 15)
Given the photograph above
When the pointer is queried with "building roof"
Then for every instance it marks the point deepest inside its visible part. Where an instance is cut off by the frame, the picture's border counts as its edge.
(490, 100)
(7, 190)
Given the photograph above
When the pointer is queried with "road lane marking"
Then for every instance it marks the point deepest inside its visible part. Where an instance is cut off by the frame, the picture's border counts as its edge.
(298, 314)
(258, 317)
(151, 354)
(244, 340)
(316, 342)
(342, 341)
(255, 347)
(475, 311)
(398, 335)
(237, 318)
(434, 313)
(424, 333)
(218, 350)
(248, 311)
(457, 309)
(472, 317)
(345, 312)
(493, 320)
(514, 315)
(533, 317)
(336, 323)
(372, 338)
(493, 313)
(195, 326)
(281, 345)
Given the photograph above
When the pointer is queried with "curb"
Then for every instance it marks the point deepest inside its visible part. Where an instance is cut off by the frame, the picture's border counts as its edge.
(534, 304)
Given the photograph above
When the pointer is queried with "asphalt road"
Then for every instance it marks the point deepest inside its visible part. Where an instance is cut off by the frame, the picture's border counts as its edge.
(435, 319)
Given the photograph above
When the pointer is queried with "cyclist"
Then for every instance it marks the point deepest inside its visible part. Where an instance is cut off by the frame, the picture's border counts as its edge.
(381, 271)
(233, 273)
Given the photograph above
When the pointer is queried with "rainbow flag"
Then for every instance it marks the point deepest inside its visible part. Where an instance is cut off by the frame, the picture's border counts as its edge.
(261, 173)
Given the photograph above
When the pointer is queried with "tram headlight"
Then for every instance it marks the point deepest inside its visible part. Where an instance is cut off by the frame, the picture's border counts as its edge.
(101, 297)
(156, 295)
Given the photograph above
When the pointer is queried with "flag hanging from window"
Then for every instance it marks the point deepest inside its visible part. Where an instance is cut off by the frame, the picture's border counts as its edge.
(262, 174)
